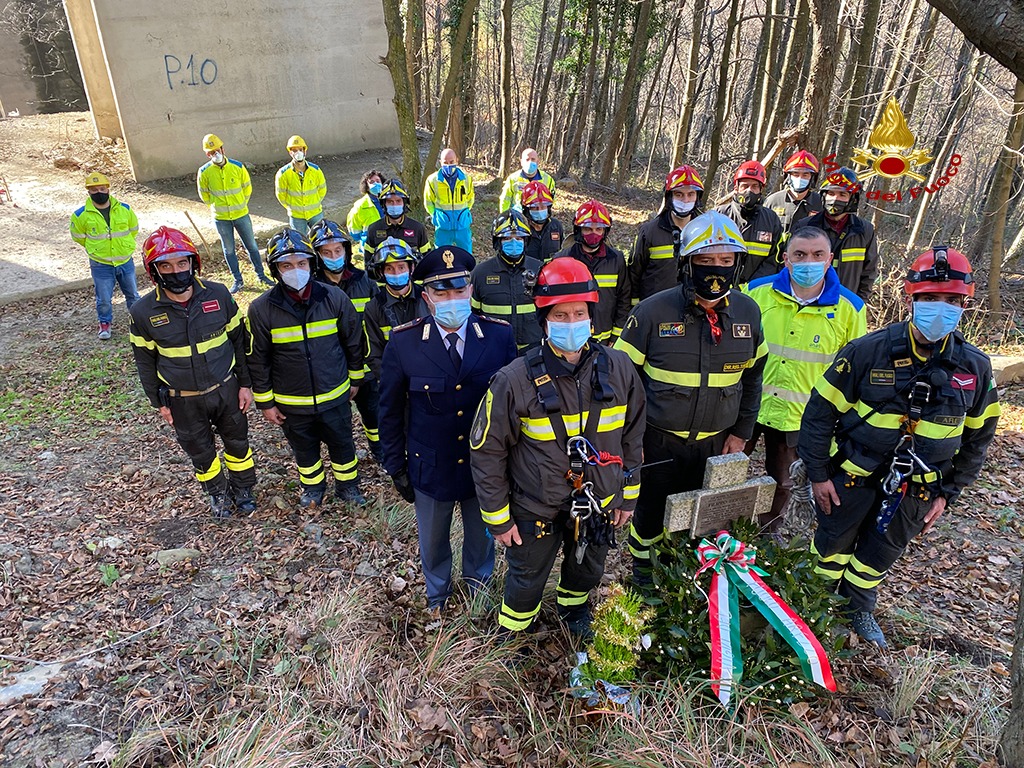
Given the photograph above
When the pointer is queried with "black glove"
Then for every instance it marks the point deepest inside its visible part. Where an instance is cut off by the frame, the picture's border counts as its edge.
(403, 486)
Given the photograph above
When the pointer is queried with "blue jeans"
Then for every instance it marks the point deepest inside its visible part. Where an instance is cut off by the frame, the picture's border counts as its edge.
(302, 226)
(460, 238)
(103, 278)
(243, 226)
(434, 520)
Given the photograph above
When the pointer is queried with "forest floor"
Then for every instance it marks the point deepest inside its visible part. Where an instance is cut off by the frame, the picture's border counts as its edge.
(296, 638)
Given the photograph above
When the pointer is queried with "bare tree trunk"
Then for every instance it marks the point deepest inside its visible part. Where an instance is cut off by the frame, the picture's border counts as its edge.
(769, 81)
(996, 208)
(506, 88)
(597, 129)
(533, 135)
(796, 51)
(894, 69)
(413, 28)
(586, 83)
(700, 8)
(1011, 743)
(994, 26)
(824, 55)
(721, 96)
(533, 113)
(395, 61)
(855, 103)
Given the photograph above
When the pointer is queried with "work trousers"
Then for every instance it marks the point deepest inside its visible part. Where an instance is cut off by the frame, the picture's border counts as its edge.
(195, 420)
(530, 564)
(368, 403)
(682, 470)
(779, 455)
(434, 525)
(333, 428)
(243, 226)
(850, 549)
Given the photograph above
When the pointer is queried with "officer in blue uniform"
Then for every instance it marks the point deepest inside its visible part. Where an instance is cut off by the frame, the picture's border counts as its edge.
(435, 372)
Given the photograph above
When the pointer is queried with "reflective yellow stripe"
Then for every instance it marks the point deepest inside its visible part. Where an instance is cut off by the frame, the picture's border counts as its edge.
(322, 328)
(237, 465)
(992, 411)
(355, 376)
(603, 336)
(515, 620)
(854, 254)
(345, 472)
(360, 304)
(612, 418)
(138, 341)
(854, 469)
(724, 379)
(631, 492)
(504, 309)
(789, 395)
(569, 598)
(537, 429)
(286, 335)
(386, 330)
(211, 473)
(833, 395)
(693, 435)
(672, 377)
(758, 249)
(111, 235)
(334, 394)
(263, 397)
(937, 431)
(635, 354)
(205, 346)
(880, 420)
(799, 355)
(606, 281)
(500, 517)
(661, 252)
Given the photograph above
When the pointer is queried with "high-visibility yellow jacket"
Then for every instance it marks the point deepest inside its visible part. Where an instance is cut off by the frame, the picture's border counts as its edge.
(802, 341)
(449, 204)
(302, 195)
(513, 188)
(365, 211)
(226, 190)
(112, 243)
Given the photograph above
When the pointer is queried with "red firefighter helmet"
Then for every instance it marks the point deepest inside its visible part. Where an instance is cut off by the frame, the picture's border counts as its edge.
(684, 176)
(752, 170)
(802, 161)
(536, 193)
(166, 243)
(940, 270)
(563, 280)
(592, 212)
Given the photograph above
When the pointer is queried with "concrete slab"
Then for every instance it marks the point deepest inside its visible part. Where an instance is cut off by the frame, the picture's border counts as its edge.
(29, 683)
(1007, 369)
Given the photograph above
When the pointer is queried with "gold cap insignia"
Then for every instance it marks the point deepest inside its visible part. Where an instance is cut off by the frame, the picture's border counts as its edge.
(449, 259)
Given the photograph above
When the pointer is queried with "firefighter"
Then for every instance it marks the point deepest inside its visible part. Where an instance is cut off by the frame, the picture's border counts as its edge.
(107, 229)
(894, 431)
(700, 352)
(512, 190)
(545, 230)
(435, 372)
(653, 263)
(301, 188)
(503, 286)
(398, 303)
(334, 251)
(590, 246)
(306, 361)
(189, 339)
(366, 210)
(224, 185)
(854, 248)
(396, 222)
(807, 317)
(761, 228)
(448, 197)
(556, 456)
(798, 198)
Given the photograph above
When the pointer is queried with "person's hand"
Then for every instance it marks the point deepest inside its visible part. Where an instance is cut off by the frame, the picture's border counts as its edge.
(353, 392)
(165, 414)
(733, 444)
(825, 495)
(404, 486)
(934, 513)
(509, 537)
(244, 398)
(274, 416)
(620, 517)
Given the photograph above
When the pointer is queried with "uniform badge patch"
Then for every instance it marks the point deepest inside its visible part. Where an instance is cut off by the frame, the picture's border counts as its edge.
(842, 365)
(966, 381)
(158, 320)
(882, 376)
(211, 306)
(764, 237)
(779, 210)
(494, 280)
(948, 421)
(741, 331)
(903, 362)
(732, 367)
(555, 236)
(409, 233)
(479, 330)
(671, 329)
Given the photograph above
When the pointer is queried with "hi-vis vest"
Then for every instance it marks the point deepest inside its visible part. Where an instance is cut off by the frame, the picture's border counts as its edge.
(111, 244)
(302, 196)
(226, 190)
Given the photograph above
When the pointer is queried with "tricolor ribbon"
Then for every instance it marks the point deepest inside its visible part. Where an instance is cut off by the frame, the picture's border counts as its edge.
(732, 567)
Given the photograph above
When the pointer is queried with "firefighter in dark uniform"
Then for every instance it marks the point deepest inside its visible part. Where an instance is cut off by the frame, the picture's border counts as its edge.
(761, 228)
(545, 230)
(854, 248)
(189, 339)
(503, 286)
(701, 352)
(557, 446)
(435, 372)
(396, 222)
(590, 246)
(334, 251)
(306, 362)
(895, 429)
(399, 302)
(653, 262)
(798, 199)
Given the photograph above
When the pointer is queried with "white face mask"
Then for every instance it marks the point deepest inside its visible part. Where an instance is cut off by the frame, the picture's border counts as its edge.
(298, 156)
(218, 158)
(295, 279)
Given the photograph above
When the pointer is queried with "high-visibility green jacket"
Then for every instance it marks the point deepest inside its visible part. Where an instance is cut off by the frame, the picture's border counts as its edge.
(365, 211)
(112, 243)
(803, 339)
(449, 204)
(513, 188)
(225, 189)
(302, 195)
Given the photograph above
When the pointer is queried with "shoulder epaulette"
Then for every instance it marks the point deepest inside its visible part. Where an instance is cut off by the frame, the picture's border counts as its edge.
(283, 168)
(313, 165)
(124, 205)
(406, 326)
(495, 320)
(205, 165)
(80, 211)
(236, 162)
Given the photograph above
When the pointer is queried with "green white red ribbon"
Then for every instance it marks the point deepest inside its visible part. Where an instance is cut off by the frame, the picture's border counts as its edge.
(732, 567)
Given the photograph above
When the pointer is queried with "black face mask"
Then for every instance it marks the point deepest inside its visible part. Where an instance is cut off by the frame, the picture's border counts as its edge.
(711, 282)
(836, 207)
(100, 198)
(175, 282)
(748, 201)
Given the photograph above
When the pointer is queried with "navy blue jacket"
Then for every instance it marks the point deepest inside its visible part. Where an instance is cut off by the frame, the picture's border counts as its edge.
(427, 407)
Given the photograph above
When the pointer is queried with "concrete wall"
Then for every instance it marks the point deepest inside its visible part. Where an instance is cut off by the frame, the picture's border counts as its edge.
(89, 46)
(17, 91)
(254, 73)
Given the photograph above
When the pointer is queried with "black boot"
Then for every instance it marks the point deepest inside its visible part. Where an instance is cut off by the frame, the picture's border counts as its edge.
(349, 493)
(220, 505)
(377, 452)
(244, 501)
(578, 620)
(312, 496)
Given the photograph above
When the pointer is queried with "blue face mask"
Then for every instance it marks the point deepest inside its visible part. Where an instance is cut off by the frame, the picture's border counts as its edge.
(394, 211)
(452, 313)
(397, 281)
(569, 337)
(449, 170)
(530, 168)
(798, 185)
(513, 248)
(375, 188)
(936, 319)
(538, 214)
(335, 265)
(808, 274)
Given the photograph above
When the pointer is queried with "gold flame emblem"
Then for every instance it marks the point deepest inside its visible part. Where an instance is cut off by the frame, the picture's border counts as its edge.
(892, 138)
(449, 259)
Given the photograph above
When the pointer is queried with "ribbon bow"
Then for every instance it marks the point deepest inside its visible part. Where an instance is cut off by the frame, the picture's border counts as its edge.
(733, 570)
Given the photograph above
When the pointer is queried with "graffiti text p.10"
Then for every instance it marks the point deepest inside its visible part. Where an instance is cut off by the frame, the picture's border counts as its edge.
(191, 73)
